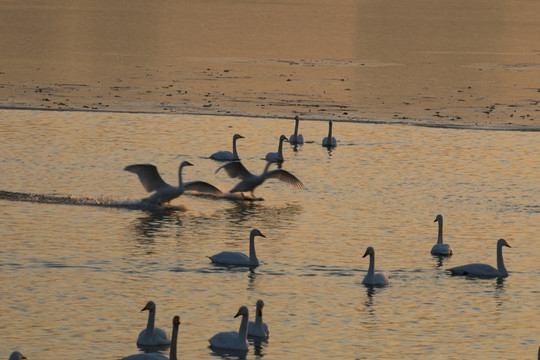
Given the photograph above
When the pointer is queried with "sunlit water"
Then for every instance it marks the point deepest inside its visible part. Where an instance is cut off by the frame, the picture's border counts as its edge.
(74, 278)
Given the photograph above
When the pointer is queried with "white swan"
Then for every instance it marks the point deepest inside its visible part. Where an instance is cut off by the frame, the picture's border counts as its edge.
(227, 155)
(250, 181)
(373, 278)
(152, 335)
(17, 356)
(439, 248)
(258, 328)
(277, 157)
(484, 270)
(164, 193)
(329, 141)
(233, 340)
(238, 258)
(296, 138)
(158, 356)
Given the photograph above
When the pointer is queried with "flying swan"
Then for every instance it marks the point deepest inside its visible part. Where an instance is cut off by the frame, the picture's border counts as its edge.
(250, 181)
(439, 248)
(484, 270)
(296, 138)
(238, 258)
(158, 356)
(164, 193)
(373, 278)
(258, 328)
(233, 340)
(277, 157)
(227, 155)
(329, 141)
(152, 336)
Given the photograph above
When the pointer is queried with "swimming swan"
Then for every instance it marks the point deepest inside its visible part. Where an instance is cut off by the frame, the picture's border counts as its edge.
(296, 138)
(152, 336)
(227, 155)
(373, 278)
(277, 157)
(158, 356)
(164, 193)
(238, 258)
(17, 356)
(439, 248)
(484, 270)
(233, 340)
(250, 181)
(329, 141)
(258, 328)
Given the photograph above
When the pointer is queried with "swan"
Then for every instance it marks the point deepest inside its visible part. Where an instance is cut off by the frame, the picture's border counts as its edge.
(439, 248)
(296, 138)
(152, 336)
(17, 356)
(233, 340)
(250, 181)
(277, 157)
(238, 258)
(158, 356)
(164, 193)
(227, 155)
(258, 328)
(329, 141)
(484, 270)
(373, 278)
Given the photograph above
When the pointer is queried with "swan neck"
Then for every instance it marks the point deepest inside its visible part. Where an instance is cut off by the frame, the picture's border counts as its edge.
(500, 261)
(258, 320)
(235, 154)
(174, 339)
(371, 270)
(266, 167)
(242, 332)
(151, 320)
(280, 148)
(296, 127)
(252, 255)
(439, 238)
(180, 183)
(330, 132)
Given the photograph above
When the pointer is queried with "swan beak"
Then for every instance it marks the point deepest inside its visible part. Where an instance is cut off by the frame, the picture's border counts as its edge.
(507, 245)
(188, 163)
(366, 254)
(145, 307)
(237, 314)
(261, 234)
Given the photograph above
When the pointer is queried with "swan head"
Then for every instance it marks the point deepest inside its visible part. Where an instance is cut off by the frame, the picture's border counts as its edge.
(237, 136)
(176, 320)
(438, 218)
(243, 311)
(330, 123)
(17, 356)
(260, 305)
(369, 251)
(296, 118)
(256, 232)
(502, 242)
(185, 163)
(282, 138)
(151, 306)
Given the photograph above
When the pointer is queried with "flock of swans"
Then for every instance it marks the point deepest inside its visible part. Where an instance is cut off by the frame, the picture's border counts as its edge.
(237, 340)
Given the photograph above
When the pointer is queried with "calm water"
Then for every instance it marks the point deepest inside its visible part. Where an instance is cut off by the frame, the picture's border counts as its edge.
(74, 278)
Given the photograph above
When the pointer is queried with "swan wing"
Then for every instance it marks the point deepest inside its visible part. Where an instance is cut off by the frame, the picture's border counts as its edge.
(285, 176)
(148, 175)
(235, 169)
(203, 187)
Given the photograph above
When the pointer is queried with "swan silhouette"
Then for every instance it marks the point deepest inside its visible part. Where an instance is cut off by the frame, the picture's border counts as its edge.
(277, 157)
(373, 278)
(152, 336)
(258, 328)
(296, 138)
(164, 193)
(484, 270)
(158, 356)
(233, 340)
(329, 141)
(227, 155)
(238, 258)
(250, 181)
(439, 248)
(17, 356)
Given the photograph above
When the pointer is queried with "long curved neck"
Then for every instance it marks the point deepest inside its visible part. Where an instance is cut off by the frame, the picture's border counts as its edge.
(266, 168)
(439, 238)
(500, 261)
(371, 270)
(180, 183)
(242, 332)
(252, 255)
(235, 154)
(174, 339)
(296, 128)
(258, 319)
(151, 320)
(330, 132)
(280, 148)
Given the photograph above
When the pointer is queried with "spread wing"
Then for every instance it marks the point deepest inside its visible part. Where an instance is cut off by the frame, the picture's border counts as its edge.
(285, 176)
(148, 175)
(202, 187)
(235, 169)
